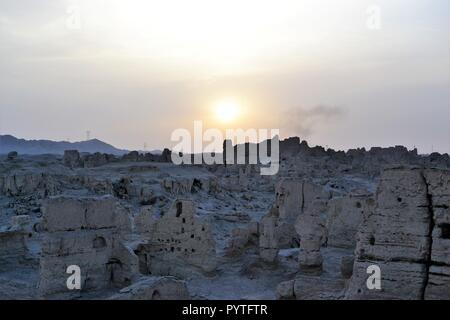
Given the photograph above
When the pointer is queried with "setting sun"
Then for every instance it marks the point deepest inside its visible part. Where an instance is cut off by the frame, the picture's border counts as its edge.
(227, 111)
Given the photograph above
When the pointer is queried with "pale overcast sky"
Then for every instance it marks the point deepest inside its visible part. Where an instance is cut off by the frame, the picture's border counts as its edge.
(133, 71)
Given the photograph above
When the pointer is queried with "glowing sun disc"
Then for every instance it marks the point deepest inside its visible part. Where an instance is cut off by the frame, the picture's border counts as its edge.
(227, 111)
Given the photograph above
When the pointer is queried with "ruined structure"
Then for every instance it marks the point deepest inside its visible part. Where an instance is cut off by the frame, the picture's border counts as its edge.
(277, 228)
(406, 236)
(345, 215)
(12, 156)
(438, 259)
(72, 159)
(140, 227)
(13, 250)
(176, 241)
(88, 233)
(310, 226)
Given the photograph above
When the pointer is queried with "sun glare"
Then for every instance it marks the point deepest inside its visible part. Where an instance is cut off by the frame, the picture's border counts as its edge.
(227, 111)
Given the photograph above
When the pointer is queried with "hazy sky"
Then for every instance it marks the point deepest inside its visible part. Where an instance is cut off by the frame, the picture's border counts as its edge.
(133, 71)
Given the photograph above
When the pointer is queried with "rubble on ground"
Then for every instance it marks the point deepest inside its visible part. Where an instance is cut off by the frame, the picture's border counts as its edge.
(140, 227)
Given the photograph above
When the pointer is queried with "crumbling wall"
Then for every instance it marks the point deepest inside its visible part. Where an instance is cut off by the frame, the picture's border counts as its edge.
(438, 263)
(89, 233)
(269, 233)
(310, 226)
(127, 188)
(97, 159)
(72, 159)
(13, 250)
(178, 186)
(135, 156)
(145, 220)
(277, 227)
(405, 237)
(186, 185)
(179, 239)
(345, 214)
(20, 184)
(405, 231)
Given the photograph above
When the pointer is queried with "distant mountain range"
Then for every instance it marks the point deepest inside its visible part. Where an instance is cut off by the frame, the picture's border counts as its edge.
(10, 143)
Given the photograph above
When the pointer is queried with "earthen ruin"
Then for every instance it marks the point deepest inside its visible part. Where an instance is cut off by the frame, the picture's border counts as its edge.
(140, 227)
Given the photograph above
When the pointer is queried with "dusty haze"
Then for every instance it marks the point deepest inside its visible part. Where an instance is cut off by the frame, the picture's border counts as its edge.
(134, 71)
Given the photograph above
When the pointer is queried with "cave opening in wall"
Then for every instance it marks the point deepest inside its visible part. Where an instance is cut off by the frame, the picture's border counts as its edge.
(99, 242)
(179, 209)
(196, 185)
(445, 230)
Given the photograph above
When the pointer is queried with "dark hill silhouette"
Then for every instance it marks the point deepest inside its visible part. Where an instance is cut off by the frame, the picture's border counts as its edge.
(10, 143)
